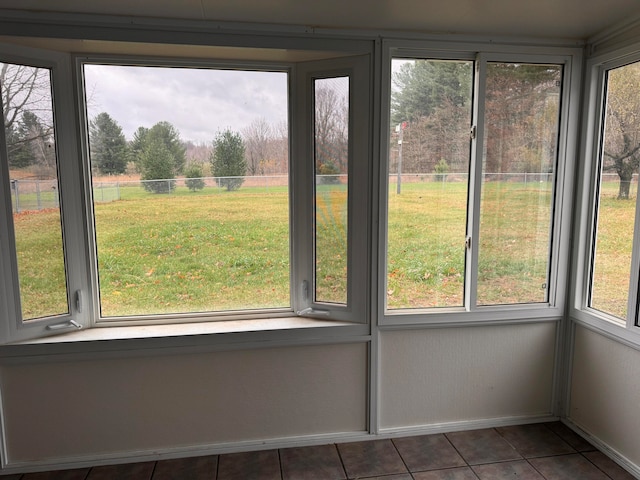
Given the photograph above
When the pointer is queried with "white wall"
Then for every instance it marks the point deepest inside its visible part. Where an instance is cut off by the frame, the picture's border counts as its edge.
(449, 375)
(605, 392)
(57, 412)
(61, 411)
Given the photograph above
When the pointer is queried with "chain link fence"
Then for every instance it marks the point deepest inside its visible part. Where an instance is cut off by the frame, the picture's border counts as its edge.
(29, 195)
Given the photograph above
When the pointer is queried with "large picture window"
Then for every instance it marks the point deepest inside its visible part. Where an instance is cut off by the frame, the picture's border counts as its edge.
(190, 188)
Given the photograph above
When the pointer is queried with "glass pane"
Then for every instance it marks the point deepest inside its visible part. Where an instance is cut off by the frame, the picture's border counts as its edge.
(331, 132)
(190, 188)
(618, 189)
(522, 114)
(429, 164)
(33, 170)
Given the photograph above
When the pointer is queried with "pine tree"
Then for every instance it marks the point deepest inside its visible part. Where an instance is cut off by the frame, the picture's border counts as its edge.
(228, 160)
(107, 145)
(156, 167)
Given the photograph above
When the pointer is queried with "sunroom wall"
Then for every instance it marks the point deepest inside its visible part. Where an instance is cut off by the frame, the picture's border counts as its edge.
(92, 402)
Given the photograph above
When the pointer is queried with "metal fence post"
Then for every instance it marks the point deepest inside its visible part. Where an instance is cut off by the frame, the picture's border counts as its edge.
(17, 193)
(38, 199)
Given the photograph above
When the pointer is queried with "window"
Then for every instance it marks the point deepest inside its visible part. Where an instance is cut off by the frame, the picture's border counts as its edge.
(204, 190)
(522, 113)
(614, 246)
(190, 182)
(42, 280)
(429, 168)
(29, 132)
(472, 180)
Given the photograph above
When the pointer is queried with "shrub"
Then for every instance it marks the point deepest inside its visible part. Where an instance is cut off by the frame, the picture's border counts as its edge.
(328, 174)
(193, 175)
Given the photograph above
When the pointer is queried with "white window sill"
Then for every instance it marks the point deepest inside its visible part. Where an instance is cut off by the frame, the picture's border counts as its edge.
(104, 333)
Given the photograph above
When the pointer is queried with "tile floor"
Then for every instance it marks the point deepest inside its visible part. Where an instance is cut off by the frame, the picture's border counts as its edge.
(530, 452)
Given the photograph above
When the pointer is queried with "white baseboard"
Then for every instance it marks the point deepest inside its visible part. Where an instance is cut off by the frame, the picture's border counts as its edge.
(614, 455)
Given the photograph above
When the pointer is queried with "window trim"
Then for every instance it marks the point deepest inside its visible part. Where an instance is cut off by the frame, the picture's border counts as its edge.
(75, 181)
(14, 328)
(571, 60)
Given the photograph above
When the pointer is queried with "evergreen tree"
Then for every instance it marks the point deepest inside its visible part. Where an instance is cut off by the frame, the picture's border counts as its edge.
(156, 167)
(31, 143)
(167, 135)
(228, 160)
(421, 87)
(136, 145)
(193, 174)
(108, 146)
(18, 150)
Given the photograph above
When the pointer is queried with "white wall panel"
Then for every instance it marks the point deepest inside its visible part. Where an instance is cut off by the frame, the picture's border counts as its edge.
(470, 373)
(95, 407)
(605, 392)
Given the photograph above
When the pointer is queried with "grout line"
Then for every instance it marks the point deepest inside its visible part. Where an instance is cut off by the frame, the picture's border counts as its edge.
(401, 458)
(153, 470)
(587, 459)
(344, 468)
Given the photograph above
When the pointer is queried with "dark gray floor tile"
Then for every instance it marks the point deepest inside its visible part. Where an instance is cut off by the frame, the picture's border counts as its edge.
(263, 465)
(520, 469)
(428, 452)
(131, 471)
(535, 440)
(371, 458)
(567, 467)
(401, 476)
(197, 468)
(571, 437)
(311, 463)
(608, 466)
(462, 473)
(482, 446)
(76, 474)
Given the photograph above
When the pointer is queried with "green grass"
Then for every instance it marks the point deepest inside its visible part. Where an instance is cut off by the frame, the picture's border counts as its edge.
(217, 250)
(612, 263)
(40, 263)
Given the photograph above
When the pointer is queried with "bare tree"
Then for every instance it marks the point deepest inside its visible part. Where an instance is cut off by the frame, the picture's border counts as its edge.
(257, 137)
(622, 126)
(331, 127)
(28, 113)
(25, 88)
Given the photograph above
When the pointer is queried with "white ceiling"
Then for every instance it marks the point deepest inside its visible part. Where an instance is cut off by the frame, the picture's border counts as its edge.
(569, 19)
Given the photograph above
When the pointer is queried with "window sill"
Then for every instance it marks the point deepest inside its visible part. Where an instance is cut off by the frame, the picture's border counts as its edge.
(603, 325)
(135, 339)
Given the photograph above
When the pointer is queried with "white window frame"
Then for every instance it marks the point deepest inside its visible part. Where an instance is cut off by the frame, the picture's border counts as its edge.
(77, 209)
(628, 329)
(65, 121)
(471, 313)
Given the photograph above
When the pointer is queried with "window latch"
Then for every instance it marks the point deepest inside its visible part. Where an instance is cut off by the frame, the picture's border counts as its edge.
(472, 133)
(64, 326)
(313, 311)
(467, 242)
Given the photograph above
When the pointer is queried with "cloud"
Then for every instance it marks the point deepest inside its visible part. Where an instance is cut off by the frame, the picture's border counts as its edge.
(198, 102)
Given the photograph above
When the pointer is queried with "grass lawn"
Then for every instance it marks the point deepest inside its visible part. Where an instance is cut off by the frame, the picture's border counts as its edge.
(216, 250)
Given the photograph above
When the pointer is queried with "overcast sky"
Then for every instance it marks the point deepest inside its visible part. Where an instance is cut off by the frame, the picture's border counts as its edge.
(198, 102)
